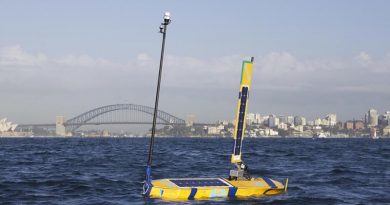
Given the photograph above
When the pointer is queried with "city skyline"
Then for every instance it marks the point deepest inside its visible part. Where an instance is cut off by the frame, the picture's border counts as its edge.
(311, 59)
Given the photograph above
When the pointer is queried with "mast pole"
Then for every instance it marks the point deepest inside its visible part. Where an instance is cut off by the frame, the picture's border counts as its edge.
(148, 181)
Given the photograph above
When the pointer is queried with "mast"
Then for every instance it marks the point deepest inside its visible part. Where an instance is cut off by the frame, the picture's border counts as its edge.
(148, 178)
(239, 129)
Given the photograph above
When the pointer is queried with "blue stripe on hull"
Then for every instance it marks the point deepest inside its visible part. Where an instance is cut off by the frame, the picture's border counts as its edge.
(192, 194)
(232, 192)
(270, 183)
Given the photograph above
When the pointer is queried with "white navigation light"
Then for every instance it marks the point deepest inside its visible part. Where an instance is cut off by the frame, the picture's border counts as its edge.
(167, 15)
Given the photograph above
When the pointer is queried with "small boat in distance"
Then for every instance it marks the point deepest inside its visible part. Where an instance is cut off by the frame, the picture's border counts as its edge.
(320, 135)
(373, 133)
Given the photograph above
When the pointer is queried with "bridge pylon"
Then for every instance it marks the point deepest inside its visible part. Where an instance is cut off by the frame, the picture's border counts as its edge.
(60, 127)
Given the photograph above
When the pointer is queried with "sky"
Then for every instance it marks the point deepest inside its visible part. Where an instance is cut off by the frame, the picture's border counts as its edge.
(311, 57)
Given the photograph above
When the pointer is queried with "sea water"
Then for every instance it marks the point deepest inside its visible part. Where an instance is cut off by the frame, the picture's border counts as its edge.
(111, 170)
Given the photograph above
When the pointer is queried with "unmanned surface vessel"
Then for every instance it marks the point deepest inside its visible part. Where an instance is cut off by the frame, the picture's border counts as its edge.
(239, 184)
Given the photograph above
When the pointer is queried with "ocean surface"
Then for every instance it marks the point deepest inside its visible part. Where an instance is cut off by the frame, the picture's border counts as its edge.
(111, 170)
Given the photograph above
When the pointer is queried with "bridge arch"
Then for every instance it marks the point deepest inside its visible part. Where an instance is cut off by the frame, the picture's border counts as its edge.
(78, 121)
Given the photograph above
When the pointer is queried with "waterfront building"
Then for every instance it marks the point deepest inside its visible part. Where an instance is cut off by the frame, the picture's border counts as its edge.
(282, 126)
(212, 130)
(231, 130)
(299, 120)
(250, 118)
(290, 120)
(324, 122)
(372, 118)
(223, 122)
(190, 120)
(257, 118)
(265, 120)
(383, 120)
(358, 125)
(340, 125)
(331, 119)
(273, 121)
(283, 119)
(7, 126)
(386, 131)
(318, 122)
(348, 125)
(299, 128)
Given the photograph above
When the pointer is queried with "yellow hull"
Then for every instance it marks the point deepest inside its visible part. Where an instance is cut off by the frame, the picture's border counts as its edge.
(206, 188)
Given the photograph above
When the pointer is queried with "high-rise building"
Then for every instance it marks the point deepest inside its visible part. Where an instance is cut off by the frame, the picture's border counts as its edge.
(190, 120)
(387, 114)
(384, 119)
(332, 119)
(273, 121)
(299, 120)
(372, 117)
(318, 122)
(257, 118)
(60, 127)
(264, 120)
(290, 120)
(282, 119)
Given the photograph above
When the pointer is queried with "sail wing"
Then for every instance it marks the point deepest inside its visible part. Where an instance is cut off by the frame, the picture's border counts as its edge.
(242, 104)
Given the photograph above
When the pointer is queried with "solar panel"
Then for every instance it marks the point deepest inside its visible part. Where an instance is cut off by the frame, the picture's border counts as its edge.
(241, 117)
(199, 182)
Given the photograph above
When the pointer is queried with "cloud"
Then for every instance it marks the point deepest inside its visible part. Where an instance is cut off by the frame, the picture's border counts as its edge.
(273, 71)
(363, 59)
(16, 56)
(75, 80)
(82, 61)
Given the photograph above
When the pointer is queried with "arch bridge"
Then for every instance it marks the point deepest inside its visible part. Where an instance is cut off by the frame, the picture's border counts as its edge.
(108, 115)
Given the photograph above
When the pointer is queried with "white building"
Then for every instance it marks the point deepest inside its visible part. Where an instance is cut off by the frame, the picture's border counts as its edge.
(215, 130)
(290, 120)
(372, 118)
(324, 122)
(332, 119)
(299, 128)
(250, 118)
(282, 126)
(318, 122)
(298, 120)
(7, 126)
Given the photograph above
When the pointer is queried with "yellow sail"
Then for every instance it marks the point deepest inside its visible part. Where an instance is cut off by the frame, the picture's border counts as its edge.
(242, 104)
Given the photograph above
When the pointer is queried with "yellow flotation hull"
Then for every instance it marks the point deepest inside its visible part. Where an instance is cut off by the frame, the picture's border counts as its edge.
(206, 188)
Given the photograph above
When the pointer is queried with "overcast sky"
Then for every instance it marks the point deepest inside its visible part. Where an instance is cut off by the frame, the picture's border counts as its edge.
(311, 57)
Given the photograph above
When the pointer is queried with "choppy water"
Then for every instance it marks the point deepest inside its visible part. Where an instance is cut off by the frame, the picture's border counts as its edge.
(111, 170)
